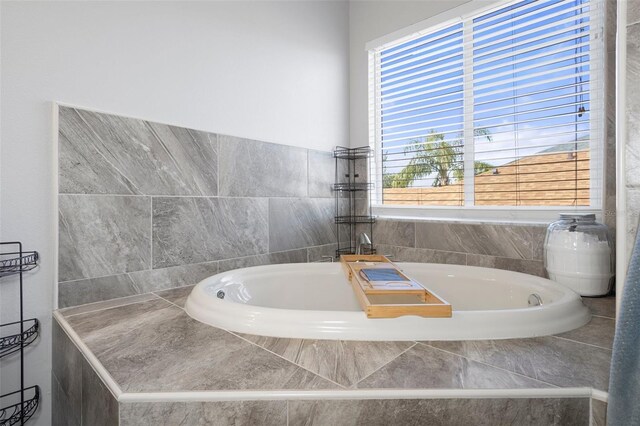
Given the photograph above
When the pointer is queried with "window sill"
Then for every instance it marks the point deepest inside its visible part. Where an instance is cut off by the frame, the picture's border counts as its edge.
(479, 215)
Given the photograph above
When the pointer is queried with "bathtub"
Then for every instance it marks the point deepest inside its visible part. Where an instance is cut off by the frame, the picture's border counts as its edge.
(315, 301)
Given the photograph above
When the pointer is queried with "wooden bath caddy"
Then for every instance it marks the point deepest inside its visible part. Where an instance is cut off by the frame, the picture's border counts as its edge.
(386, 292)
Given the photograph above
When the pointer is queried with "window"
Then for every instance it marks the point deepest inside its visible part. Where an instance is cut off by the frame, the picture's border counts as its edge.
(499, 110)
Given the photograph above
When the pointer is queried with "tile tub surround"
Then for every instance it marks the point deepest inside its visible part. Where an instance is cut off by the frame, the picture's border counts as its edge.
(145, 206)
(122, 336)
(516, 248)
(490, 412)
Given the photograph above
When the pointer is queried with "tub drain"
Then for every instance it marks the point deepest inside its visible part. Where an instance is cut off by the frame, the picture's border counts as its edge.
(535, 300)
(220, 294)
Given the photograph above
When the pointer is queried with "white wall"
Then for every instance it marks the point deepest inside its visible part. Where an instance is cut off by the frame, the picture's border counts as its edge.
(274, 71)
(369, 20)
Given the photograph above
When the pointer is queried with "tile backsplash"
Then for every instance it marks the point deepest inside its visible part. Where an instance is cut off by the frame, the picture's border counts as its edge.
(145, 206)
(513, 247)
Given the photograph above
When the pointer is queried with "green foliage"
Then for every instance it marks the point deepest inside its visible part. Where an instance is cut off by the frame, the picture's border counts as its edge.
(432, 155)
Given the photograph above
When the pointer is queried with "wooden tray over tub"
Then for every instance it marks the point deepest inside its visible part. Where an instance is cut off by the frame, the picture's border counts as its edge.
(390, 298)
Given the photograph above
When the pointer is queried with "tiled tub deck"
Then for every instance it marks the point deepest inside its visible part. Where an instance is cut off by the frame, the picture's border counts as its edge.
(142, 360)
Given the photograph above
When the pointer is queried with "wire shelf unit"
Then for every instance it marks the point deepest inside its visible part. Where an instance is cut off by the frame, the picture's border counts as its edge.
(18, 406)
(353, 209)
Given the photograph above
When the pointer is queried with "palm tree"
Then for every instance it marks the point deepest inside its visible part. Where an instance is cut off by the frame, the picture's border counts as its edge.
(433, 155)
(479, 167)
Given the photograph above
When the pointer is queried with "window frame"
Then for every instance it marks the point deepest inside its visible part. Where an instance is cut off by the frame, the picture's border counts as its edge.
(472, 213)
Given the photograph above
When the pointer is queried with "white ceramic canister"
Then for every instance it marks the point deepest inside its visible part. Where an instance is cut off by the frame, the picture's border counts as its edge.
(578, 254)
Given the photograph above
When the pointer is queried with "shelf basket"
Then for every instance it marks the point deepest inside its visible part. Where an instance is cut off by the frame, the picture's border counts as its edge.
(355, 219)
(352, 187)
(19, 412)
(11, 343)
(352, 153)
(13, 263)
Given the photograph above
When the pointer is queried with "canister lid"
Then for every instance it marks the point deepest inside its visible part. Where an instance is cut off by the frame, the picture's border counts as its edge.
(578, 216)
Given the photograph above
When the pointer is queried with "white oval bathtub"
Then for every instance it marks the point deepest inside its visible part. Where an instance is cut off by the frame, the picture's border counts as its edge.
(315, 301)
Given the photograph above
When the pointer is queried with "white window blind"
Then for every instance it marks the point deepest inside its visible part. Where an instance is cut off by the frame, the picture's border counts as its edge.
(501, 108)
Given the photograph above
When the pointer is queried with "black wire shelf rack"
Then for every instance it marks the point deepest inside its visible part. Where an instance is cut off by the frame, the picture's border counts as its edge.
(344, 153)
(354, 219)
(11, 343)
(351, 187)
(16, 262)
(21, 407)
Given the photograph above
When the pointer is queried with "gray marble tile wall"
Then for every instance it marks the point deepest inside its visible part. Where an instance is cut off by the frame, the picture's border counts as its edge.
(511, 247)
(610, 116)
(146, 206)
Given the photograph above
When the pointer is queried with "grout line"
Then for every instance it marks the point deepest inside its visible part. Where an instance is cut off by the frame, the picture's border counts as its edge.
(185, 265)
(268, 226)
(255, 197)
(493, 366)
(102, 276)
(169, 301)
(260, 254)
(582, 343)
(465, 253)
(603, 316)
(108, 307)
(440, 251)
(150, 234)
(321, 245)
(280, 356)
(308, 170)
(385, 364)
(218, 155)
